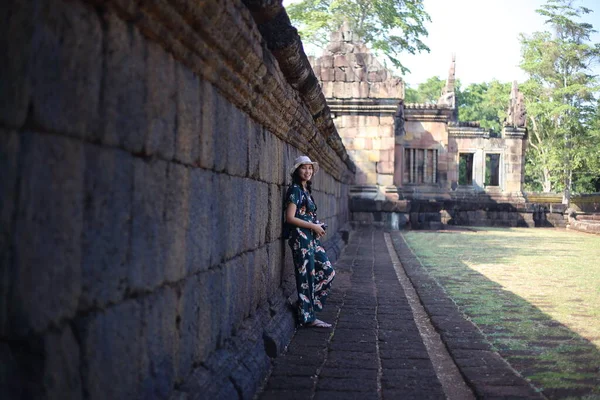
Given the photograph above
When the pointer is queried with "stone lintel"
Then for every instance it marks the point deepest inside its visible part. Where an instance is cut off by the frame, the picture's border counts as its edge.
(468, 132)
(516, 132)
(433, 114)
(364, 106)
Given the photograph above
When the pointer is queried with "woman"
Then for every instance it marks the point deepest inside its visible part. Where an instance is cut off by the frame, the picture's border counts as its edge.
(313, 270)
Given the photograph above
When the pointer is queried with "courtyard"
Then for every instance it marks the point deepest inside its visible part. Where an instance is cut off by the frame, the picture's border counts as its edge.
(533, 293)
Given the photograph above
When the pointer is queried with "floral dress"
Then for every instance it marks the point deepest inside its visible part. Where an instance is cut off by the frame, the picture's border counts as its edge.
(313, 270)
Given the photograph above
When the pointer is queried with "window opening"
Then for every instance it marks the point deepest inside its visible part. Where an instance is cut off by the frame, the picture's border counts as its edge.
(492, 170)
(465, 169)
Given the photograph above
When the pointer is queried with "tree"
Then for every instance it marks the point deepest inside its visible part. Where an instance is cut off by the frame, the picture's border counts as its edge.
(561, 97)
(427, 92)
(388, 26)
(485, 103)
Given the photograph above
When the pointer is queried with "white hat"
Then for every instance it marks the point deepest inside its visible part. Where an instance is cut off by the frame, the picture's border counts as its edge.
(302, 160)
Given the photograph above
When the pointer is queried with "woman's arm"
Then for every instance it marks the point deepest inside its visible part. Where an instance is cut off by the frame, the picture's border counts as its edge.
(290, 218)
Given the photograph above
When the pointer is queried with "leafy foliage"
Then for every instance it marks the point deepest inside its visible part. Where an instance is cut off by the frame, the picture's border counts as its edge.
(388, 26)
(427, 92)
(562, 101)
(485, 103)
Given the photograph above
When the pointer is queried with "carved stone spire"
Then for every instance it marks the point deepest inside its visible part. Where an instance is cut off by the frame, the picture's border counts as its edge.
(448, 97)
(516, 115)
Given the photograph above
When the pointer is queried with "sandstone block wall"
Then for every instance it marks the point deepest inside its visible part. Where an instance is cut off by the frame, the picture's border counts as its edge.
(144, 151)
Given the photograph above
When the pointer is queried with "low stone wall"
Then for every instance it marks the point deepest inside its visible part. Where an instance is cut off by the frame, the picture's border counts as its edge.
(589, 223)
(144, 149)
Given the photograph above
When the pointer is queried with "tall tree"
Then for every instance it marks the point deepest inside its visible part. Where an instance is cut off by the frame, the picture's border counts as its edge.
(388, 26)
(561, 96)
(485, 103)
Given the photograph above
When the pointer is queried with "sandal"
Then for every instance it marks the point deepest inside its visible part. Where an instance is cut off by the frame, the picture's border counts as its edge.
(317, 323)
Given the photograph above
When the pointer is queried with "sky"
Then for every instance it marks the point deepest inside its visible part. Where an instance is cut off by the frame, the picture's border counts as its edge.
(483, 35)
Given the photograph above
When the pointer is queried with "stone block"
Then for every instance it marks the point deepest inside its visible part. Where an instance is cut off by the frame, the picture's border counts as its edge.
(112, 352)
(237, 285)
(19, 18)
(262, 210)
(275, 213)
(9, 151)
(177, 210)
(385, 167)
(256, 140)
(209, 119)
(160, 340)
(225, 114)
(62, 365)
(201, 244)
(106, 225)
(339, 74)
(124, 121)
(148, 256)
(189, 116)
(354, 89)
(66, 68)
(47, 240)
(238, 143)
(227, 217)
(363, 90)
(259, 267)
(161, 102)
(200, 312)
(275, 252)
(385, 180)
(338, 91)
(326, 61)
(327, 86)
(340, 60)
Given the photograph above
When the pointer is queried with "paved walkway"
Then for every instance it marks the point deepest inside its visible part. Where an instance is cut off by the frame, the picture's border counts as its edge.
(383, 344)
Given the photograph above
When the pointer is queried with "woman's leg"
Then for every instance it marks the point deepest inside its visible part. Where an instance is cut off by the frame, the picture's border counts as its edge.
(304, 267)
(324, 274)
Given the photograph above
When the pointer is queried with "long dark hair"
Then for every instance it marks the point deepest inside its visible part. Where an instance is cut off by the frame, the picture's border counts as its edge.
(296, 179)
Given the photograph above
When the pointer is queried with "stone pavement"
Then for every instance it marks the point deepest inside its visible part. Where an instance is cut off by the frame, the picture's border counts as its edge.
(378, 348)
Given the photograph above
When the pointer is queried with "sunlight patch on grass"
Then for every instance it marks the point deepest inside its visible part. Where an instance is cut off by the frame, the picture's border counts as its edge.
(535, 293)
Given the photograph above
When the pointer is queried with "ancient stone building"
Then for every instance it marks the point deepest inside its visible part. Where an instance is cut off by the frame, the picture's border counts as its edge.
(415, 152)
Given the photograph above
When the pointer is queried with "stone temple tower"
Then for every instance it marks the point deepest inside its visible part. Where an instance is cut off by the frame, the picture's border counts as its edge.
(364, 99)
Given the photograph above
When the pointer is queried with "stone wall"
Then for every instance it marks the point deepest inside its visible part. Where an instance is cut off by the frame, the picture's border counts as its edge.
(143, 155)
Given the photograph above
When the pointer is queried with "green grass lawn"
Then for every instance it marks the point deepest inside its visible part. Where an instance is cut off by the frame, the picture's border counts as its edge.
(534, 293)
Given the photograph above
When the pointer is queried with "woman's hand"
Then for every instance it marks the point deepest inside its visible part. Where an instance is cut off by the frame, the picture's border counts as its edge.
(318, 229)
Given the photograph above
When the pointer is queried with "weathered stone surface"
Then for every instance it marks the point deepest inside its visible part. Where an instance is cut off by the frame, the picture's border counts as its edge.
(112, 351)
(209, 119)
(66, 68)
(148, 255)
(200, 315)
(9, 151)
(228, 216)
(16, 33)
(62, 366)
(177, 210)
(235, 282)
(275, 213)
(237, 143)
(260, 263)
(159, 338)
(256, 140)
(275, 251)
(124, 120)
(161, 104)
(189, 116)
(222, 131)
(47, 233)
(106, 225)
(201, 244)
